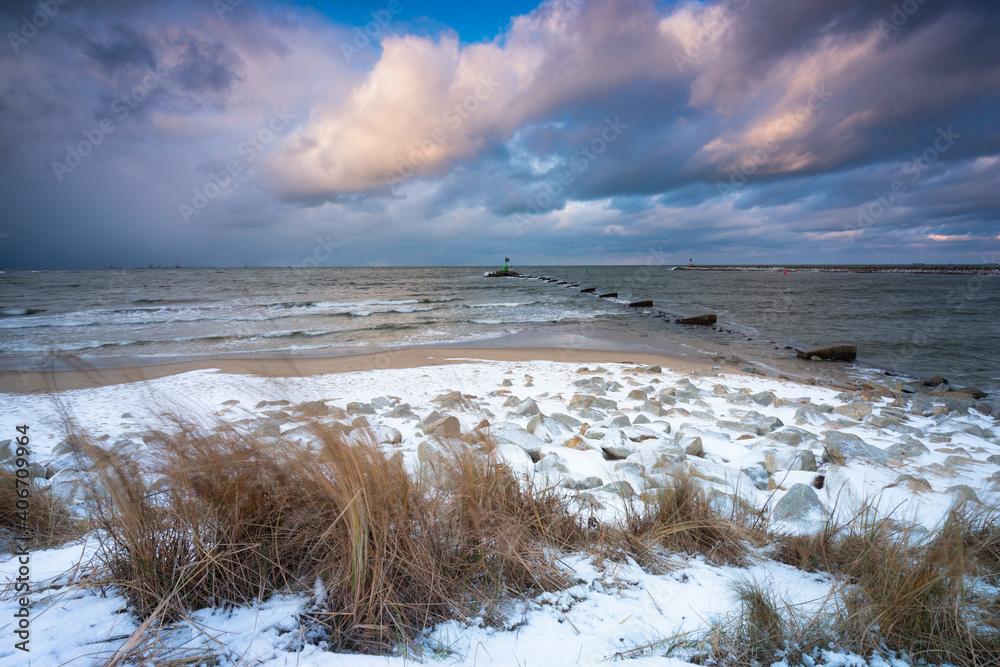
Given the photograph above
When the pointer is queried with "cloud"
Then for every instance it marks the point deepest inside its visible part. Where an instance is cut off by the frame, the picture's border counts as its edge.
(430, 103)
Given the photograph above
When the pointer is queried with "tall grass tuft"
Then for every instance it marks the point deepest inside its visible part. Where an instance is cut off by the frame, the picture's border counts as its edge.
(227, 518)
(46, 522)
(909, 592)
(681, 518)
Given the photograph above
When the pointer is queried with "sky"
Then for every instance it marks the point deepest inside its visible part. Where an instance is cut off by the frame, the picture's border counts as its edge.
(418, 132)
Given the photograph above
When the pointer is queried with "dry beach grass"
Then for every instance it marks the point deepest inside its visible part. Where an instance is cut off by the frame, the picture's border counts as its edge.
(224, 518)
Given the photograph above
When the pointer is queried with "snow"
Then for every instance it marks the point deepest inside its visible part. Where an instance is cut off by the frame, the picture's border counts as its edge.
(612, 609)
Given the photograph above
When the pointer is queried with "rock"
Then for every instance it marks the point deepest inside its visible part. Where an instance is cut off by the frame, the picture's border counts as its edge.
(68, 445)
(507, 383)
(654, 408)
(758, 476)
(433, 417)
(839, 352)
(637, 395)
(620, 488)
(356, 408)
(451, 399)
(692, 445)
(806, 415)
(763, 398)
(616, 452)
(641, 304)
(578, 443)
(609, 295)
(851, 446)
(994, 459)
(797, 459)
(702, 319)
(516, 459)
(266, 428)
(959, 462)
(448, 427)
(800, 503)
(566, 420)
(360, 422)
(621, 421)
(594, 434)
(907, 448)
(591, 482)
(591, 414)
(655, 368)
(6, 451)
(856, 410)
(551, 466)
(751, 370)
(512, 402)
(382, 402)
(313, 409)
(790, 435)
(643, 419)
(527, 408)
(914, 483)
(974, 392)
(401, 411)
(964, 492)
(935, 381)
(386, 435)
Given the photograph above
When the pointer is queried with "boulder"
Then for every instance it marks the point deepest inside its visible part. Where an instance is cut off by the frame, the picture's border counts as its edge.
(799, 504)
(691, 445)
(401, 411)
(356, 408)
(620, 488)
(789, 435)
(907, 448)
(703, 319)
(448, 427)
(654, 408)
(838, 352)
(763, 398)
(757, 476)
(567, 421)
(313, 409)
(851, 446)
(588, 483)
(527, 408)
(856, 410)
(507, 433)
(795, 459)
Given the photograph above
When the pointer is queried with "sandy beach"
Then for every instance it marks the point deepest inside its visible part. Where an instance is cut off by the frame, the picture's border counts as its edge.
(605, 429)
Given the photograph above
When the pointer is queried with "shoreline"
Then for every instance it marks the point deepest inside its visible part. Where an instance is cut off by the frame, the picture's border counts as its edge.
(88, 377)
(963, 270)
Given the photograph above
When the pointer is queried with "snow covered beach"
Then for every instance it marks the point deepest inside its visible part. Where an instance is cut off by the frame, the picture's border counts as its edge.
(604, 435)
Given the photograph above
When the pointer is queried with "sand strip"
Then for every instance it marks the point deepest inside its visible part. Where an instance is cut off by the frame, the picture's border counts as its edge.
(84, 376)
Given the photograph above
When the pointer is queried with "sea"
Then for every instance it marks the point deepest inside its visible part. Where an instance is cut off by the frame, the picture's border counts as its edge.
(916, 324)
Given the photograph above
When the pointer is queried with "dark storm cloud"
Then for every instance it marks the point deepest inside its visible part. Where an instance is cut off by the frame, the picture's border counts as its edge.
(206, 66)
(749, 130)
(126, 48)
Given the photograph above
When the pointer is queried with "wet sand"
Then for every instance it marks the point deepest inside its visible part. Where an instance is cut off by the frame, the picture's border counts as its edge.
(83, 376)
